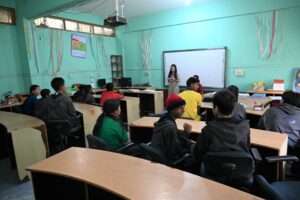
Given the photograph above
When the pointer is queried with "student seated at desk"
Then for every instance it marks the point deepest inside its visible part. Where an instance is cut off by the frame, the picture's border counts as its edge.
(110, 94)
(285, 118)
(60, 106)
(239, 112)
(200, 89)
(224, 133)
(29, 104)
(42, 103)
(109, 126)
(84, 95)
(166, 137)
(192, 99)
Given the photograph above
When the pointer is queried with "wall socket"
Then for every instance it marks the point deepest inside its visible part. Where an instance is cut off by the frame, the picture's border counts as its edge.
(239, 72)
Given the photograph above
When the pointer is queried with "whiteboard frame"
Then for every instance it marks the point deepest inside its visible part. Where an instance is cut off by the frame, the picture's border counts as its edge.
(201, 49)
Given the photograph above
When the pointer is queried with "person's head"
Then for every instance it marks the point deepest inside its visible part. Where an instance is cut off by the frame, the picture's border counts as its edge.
(235, 90)
(173, 71)
(291, 98)
(45, 93)
(112, 108)
(35, 90)
(196, 77)
(109, 87)
(175, 105)
(58, 84)
(192, 83)
(224, 102)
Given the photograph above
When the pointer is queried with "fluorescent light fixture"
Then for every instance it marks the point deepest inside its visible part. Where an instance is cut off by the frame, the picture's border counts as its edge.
(188, 2)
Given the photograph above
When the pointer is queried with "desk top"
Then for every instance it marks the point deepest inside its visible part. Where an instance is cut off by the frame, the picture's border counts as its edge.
(134, 178)
(249, 103)
(16, 121)
(268, 139)
(269, 92)
(140, 91)
(10, 105)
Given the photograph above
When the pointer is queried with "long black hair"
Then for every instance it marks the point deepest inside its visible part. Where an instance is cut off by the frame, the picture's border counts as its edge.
(175, 73)
(109, 107)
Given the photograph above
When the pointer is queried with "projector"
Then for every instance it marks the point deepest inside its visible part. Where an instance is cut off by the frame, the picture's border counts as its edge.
(115, 21)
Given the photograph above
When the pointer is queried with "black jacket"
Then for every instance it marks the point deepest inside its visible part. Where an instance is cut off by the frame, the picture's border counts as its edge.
(239, 112)
(169, 140)
(83, 97)
(283, 119)
(223, 135)
(59, 107)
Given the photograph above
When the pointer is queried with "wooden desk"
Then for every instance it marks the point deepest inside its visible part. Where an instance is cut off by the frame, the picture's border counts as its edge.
(268, 139)
(151, 101)
(142, 129)
(130, 108)
(30, 145)
(82, 174)
(2, 106)
(248, 102)
(268, 92)
(90, 115)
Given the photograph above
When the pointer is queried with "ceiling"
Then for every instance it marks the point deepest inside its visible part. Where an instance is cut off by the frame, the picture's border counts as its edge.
(133, 8)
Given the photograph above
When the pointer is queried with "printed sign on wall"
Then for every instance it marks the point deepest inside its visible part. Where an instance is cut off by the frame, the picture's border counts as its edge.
(79, 46)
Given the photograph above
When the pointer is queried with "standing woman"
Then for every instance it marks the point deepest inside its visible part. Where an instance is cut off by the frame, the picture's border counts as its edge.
(173, 80)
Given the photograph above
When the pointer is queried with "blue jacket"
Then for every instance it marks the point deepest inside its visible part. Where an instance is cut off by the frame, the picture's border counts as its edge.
(283, 119)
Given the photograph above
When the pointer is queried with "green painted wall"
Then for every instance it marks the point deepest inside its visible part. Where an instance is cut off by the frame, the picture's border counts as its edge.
(229, 23)
(11, 72)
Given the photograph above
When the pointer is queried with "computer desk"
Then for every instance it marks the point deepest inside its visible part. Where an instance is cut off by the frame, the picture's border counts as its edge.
(130, 108)
(142, 129)
(90, 115)
(268, 92)
(151, 101)
(29, 139)
(86, 174)
(248, 102)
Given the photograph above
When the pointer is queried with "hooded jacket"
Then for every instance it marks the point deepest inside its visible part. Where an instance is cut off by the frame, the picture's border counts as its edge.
(169, 140)
(283, 119)
(59, 107)
(223, 135)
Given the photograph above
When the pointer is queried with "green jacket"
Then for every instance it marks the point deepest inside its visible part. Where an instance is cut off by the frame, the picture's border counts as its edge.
(113, 133)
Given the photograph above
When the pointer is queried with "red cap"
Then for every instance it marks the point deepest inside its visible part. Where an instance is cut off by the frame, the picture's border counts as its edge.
(174, 101)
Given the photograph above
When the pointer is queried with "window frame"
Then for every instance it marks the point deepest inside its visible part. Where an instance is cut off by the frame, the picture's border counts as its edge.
(80, 22)
(13, 15)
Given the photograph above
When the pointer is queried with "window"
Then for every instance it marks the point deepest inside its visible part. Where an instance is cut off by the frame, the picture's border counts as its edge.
(54, 23)
(108, 31)
(98, 30)
(85, 28)
(49, 22)
(71, 25)
(7, 15)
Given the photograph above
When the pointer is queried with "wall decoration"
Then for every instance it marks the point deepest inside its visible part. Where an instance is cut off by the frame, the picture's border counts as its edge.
(267, 31)
(79, 46)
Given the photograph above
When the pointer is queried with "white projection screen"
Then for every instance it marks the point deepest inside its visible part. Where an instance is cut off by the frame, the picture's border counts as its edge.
(209, 64)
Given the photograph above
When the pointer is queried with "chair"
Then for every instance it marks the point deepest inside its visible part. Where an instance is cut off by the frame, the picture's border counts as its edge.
(153, 154)
(97, 143)
(279, 190)
(62, 136)
(231, 168)
(3, 142)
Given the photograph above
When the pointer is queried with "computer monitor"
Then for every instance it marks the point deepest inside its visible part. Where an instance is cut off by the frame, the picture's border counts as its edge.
(125, 82)
(101, 83)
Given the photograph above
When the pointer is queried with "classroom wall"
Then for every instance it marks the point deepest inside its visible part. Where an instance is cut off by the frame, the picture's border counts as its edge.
(75, 70)
(11, 72)
(230, 23)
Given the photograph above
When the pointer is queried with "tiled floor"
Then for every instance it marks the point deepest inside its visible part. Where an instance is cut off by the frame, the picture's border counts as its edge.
(10, 187)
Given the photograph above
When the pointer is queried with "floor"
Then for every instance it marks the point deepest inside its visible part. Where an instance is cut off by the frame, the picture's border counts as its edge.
(10, 187)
